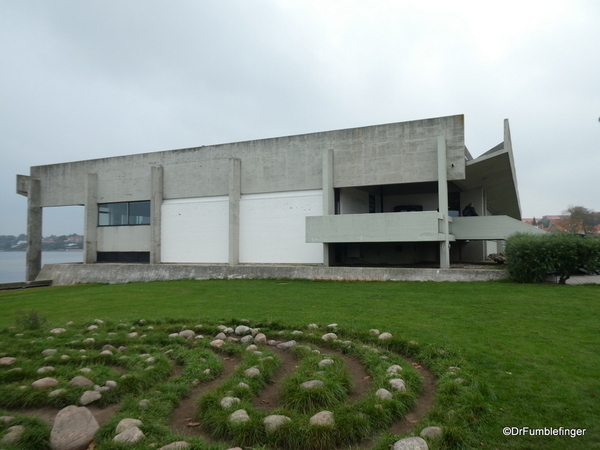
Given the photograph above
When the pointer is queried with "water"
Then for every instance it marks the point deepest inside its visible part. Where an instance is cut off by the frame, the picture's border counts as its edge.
(12, 264)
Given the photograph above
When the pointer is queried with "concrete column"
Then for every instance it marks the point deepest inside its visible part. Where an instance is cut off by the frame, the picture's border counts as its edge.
(235, 192)
(90, 222)
(156, 201)
(328, 195)
(34, 230)
(443, 203)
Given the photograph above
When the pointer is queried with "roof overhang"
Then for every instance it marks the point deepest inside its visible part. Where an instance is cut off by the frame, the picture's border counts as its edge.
(494, 171)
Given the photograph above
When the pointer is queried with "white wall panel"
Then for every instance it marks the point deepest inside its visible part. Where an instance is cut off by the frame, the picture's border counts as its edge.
(195, 230)
(272, 227)
(124, 239)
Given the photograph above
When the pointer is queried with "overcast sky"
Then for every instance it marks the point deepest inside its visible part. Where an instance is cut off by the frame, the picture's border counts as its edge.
(83, 80)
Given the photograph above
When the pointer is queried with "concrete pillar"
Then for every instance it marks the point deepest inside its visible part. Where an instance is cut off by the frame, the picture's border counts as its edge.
(443, 204)
(34, 230)
(328, 196)
(90, 222)
(156, 201)
(235, 192)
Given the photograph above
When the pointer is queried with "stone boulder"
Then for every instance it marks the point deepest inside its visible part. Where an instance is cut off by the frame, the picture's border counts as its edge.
(13, 435)
(217, 343)
(44, 383)
(228, 402)
(81, 381)
(7, 361)
(329, 337)
(398, 384)
(394, 369)
(260, 338)
(384, 336)
(322, 419)
(89, 397)
(127, 423)
(74, 428)
(239, 416)
(383, 394)
(57, 330)
(410, 443)
(312, 384)
(252, 372)
(131, 435)
(431, 433)
(274, 421)
(179, 445)
(187, 334)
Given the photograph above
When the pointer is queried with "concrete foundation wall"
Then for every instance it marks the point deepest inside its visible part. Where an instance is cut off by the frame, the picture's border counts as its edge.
(272, 227)
(65, 274)
(195, 230)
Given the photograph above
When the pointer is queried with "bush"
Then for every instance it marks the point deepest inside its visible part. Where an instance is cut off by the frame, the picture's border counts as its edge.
(30, 321)
(531, 258)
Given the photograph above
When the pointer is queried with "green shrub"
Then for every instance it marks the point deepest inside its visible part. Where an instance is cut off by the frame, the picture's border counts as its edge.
(532, 258)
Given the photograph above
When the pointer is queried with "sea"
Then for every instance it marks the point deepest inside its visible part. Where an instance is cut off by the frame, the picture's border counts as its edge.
(12, 264)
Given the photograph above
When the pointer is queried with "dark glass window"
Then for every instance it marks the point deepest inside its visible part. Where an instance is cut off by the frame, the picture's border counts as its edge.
(125, 213)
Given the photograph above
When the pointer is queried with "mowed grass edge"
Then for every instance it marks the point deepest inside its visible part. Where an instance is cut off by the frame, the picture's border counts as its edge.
(535, 346)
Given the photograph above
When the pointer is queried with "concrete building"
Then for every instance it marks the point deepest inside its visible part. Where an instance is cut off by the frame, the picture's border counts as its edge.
(383, 195)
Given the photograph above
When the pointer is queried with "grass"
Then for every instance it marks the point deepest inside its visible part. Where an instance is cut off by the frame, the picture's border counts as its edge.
(531, 351)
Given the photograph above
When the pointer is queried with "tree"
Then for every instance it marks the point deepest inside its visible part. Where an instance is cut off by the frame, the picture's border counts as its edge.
(581, 220)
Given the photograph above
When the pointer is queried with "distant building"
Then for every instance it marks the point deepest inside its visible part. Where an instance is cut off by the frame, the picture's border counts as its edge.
(378, 195)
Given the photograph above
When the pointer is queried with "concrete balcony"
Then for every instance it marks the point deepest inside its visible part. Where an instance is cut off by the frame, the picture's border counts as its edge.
(489, 228)
(381, 227)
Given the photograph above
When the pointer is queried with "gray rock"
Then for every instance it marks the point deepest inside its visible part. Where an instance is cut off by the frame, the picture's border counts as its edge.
(243, 385)
(274, 421)
(329, 337)
(242, 329)
(179, 445)
(56, 393)
(239, 416)
(89, 341)
(332, 325)
(111, 384)
(312, 326)
(228, 402)
(384, 336)
(106, 353)
(393, 370)
(45, 369)
(312, 384)
(288, 344)
(92, 327)
(131, 335)
(325, 362)
(374, 332)
(252, 372)
(109, 347)
(260, 338)
(144, 403)
(89, 397)
(217, 343)
(85, 370)
(127, 423)
(6, 419)
(431, 433)
(410, 443)
(246, 339)
(74, 428)
(398, 384)
(7, 361)
(221, 336)
(384, 394)
(251, 348)
(297, 333)
(187, 334)
(13, 435)
(81, 381)
(322, 419)
(131, 435)
(44, 383)
(57, 330)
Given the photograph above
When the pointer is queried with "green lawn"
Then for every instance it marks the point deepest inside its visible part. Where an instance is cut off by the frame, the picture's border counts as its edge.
(535, 346)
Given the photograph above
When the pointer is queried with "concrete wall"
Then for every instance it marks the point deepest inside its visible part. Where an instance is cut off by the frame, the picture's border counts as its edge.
(195, 230)
(272, 227)
(375, 155)
(354, 201)
(65, 274)
(124, 239)
(384, 227)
